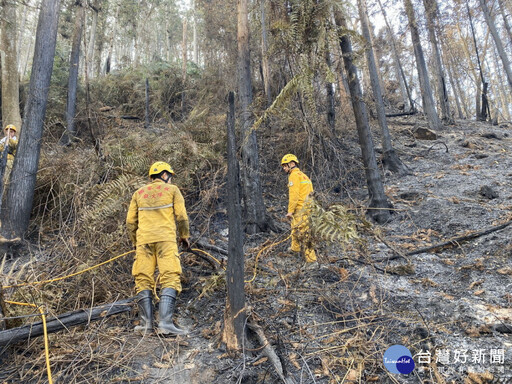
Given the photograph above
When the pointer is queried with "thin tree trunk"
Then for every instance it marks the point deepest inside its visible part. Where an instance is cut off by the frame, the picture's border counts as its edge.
(254, 207)
(497, 40)
(10, 85)
(502, 92)
(27, 56)
(147, 123)
(485, 113)
(481, 78)
(431, 11)
(402, 80)
(19, 42)
(426, 91)
(20, 193)
(329, 87)
(195, 45)
(390, 159)
(92, 39)
(184, 57)
(456, 91)
(506, 24)
(108, 60)
(234, 316)
(264, 54)
(379, 203)
(74, 61)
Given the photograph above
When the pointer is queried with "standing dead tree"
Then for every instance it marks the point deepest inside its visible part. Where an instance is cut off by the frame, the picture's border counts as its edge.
(379, 204)
(389, 157)
(426, 91)
(15, 214)
(234, 315)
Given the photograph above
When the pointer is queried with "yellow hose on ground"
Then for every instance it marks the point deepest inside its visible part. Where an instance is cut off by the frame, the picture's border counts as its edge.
(45, 333)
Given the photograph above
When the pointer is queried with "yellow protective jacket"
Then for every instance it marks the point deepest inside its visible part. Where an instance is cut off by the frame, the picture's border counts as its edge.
(11, 150)
(152, 212)
(299, 187)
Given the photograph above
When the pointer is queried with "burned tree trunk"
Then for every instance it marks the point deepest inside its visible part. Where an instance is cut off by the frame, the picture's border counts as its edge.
(389, 157)
(18, 206)
(234, 315)
(431, 11)
(482, 79)
(64, 321)
(378, 199)
(426, 91)
(489, 19)
(400, 75)
(254, 207)
(74, 60)
(329, 87)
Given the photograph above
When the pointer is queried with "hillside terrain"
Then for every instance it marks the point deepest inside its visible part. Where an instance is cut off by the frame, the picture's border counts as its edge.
(436, 278)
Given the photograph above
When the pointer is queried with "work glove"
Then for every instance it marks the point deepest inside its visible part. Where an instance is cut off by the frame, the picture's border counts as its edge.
(185, 243)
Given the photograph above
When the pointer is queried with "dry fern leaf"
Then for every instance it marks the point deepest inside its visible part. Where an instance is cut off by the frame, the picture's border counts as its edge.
(334, 224)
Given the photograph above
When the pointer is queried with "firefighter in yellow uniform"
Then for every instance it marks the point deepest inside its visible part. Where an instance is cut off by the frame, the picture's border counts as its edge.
(11, 141)
(157, 215)
(299, 189)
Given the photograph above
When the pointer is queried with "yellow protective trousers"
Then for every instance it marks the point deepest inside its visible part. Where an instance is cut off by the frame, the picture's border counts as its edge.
(300, 228)
(163, 254)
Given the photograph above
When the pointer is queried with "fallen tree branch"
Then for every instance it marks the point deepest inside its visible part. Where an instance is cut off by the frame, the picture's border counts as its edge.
(270, 353)
(438, 142)
(402, 114)
(3, 240)
(398, 253)
(203, 244)
(64, 321)
(456, 241)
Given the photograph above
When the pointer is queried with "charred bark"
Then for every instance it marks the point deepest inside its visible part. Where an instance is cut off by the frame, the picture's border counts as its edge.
(234, 317)
(390, 159)
(379, 203)
(74, 61)
(16, 213)
(254, 208)
(64, 321)
(426, 91)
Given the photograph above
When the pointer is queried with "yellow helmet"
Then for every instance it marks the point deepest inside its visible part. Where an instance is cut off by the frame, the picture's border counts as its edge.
(289, 157)
(159, 167)
(11, 127)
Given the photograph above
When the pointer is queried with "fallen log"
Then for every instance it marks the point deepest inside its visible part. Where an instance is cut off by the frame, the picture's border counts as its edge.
(64, 321)
(456, 241)
(449, 243)
(401, 114)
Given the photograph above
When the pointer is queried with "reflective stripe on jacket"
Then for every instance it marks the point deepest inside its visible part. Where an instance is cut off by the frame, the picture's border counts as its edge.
(154, 211)
(299, 187)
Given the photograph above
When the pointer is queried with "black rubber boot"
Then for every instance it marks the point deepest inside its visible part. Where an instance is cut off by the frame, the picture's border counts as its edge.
(145, 304)
(166, 310)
